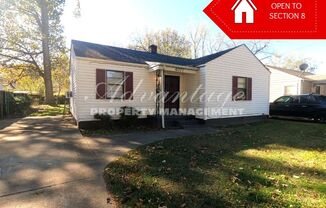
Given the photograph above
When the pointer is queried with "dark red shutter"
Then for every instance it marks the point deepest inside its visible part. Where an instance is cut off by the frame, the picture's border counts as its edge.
(234, 86)
(249, 94)
(100, 84)
(129, 86)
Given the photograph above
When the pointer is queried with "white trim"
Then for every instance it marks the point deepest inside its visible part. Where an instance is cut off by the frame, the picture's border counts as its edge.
(154, 66)
(162, 94)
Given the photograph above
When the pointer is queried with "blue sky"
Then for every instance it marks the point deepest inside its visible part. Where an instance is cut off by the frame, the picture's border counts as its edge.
(114, 22)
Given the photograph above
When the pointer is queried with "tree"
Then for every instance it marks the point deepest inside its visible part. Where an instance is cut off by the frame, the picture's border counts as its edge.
(22, 78)
(12, 74)
(60, 74)
(169, 42)
(204, 43)
(31, 33)
(294, 63)
(198, 38)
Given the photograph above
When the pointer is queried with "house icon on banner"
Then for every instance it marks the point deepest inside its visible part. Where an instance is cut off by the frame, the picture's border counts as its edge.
(244, 7)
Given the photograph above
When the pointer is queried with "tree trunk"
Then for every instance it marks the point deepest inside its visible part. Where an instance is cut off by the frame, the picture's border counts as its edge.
(46, 52)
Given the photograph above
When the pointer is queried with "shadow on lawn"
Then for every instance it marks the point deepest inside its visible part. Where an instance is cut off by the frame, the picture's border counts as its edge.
(214, 171)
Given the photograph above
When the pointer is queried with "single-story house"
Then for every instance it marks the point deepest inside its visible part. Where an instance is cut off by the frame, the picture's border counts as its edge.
(228, 84)
(294, 82)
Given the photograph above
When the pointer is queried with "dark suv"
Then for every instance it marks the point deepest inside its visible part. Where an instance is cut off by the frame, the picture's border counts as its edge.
(304, 106)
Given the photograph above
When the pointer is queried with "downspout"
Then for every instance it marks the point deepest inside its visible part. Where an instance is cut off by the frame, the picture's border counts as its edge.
(162, 98)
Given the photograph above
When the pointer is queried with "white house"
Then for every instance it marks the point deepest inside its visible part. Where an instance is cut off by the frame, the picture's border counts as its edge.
(228, 84)
(294, 82)
(244, 6)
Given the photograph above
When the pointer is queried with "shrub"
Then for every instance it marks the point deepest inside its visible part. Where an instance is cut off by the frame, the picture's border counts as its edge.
(128, 116)
(21, 104)
(105, 119)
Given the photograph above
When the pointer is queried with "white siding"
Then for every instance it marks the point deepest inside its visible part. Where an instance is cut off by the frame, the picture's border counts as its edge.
(279, 80)
(218, 77)
(202, 90)
(73, 84)
(215, 77)
(191, 84)
(85, 98)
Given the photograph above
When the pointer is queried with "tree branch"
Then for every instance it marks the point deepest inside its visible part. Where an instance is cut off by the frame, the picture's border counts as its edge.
(17, 58)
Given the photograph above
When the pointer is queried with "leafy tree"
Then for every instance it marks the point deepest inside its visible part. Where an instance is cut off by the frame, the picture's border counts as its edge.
(31, 33)
(169, 42)
(22, 78)
(60, 74)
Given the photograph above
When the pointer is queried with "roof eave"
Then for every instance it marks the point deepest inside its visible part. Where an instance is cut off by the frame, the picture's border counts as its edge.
(158, 65)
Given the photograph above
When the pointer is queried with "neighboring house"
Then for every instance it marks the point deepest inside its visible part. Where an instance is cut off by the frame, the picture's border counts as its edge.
(105, 77)
(294, 82)
(244, 6)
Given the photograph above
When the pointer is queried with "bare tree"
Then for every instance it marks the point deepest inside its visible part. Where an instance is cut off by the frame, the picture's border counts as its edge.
(198, 37)
(169, 42)
(204, 43)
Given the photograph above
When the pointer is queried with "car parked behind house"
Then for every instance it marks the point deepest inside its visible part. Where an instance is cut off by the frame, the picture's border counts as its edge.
(309, 106)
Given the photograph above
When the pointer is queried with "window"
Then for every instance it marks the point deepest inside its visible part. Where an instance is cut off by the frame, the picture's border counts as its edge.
(242, 88)
(308, 99)
(290, 90)
(115, 84)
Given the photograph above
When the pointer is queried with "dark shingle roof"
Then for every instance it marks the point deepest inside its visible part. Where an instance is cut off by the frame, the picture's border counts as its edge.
(92, 50)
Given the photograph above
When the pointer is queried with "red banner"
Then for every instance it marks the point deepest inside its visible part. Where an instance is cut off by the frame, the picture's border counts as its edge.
(270, 19)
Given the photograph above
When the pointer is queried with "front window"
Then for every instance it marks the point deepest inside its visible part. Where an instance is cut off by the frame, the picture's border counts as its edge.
(242, 88)
(114, 82)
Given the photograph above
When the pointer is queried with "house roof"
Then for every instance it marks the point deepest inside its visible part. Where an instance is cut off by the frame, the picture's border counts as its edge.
(97, 51)
(297, 73)
(317, 77)
(239, 1)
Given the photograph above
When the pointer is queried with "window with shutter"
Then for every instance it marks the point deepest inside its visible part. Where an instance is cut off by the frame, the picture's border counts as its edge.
(115, 84)
(241, 88)
(112, 84)
(100, 84)
(129, 86)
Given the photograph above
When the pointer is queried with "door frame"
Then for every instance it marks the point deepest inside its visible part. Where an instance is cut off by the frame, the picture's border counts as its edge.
(179, 87)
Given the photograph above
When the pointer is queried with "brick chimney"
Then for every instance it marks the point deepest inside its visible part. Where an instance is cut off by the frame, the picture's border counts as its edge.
(153, 49)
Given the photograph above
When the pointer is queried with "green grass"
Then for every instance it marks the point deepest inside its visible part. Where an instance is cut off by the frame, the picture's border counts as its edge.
(270, 164)
(48, 110)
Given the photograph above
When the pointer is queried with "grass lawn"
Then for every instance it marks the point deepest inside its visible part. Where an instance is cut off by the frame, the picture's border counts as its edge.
(48, 110)
(271, 164)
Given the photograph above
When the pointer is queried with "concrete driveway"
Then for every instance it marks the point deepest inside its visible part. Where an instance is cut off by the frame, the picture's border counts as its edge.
(45, 162)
